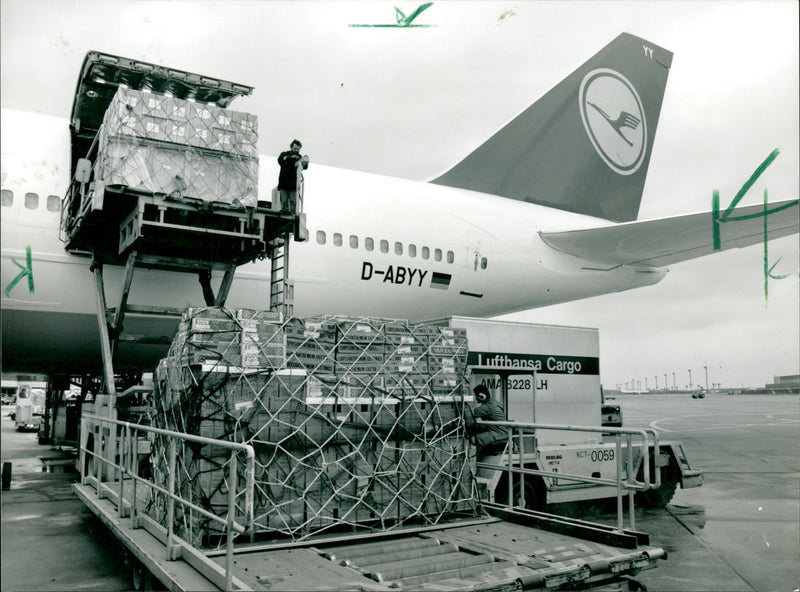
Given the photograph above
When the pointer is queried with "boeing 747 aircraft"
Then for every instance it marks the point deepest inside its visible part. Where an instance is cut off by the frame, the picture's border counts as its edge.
(544, 212)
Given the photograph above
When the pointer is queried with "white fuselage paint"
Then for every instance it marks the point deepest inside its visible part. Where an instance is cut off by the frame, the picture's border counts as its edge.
(521, 271)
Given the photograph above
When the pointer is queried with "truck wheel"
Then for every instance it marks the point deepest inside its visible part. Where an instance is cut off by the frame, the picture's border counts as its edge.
(88, 461)
(6, 476)
(141, 578)
(659, 498)
(534, 493)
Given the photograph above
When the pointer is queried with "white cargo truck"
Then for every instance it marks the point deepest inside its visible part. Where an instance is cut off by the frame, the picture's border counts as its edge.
(550, 375)
(30, 407)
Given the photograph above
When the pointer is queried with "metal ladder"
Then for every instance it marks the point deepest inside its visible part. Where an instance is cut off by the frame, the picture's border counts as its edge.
(280, 288)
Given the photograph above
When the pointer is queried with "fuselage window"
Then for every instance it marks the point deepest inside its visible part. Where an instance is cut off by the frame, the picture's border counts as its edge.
(398, 248)
(437, 255)
(412, 250)
(337, 239)
(53, 203)
(484, 262)
(31, 201)
(7, 197)
(369, 244)
(450, 256)
(353, 241)
(384, 246)
(321, 238)
(426, 253)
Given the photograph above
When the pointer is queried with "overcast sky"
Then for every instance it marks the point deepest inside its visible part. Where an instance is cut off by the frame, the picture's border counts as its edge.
(411, 102)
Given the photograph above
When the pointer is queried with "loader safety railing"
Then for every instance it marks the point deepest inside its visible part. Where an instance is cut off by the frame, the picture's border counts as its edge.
(624, 481)
(114, 455)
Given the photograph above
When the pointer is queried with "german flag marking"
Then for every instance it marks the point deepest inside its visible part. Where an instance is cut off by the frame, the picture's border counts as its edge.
(440, 281)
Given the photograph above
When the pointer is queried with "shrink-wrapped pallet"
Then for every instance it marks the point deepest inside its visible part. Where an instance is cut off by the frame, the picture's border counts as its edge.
(167, 145)
(348, 434)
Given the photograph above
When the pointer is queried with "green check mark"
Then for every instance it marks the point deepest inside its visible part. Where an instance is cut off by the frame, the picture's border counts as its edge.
(403, 21)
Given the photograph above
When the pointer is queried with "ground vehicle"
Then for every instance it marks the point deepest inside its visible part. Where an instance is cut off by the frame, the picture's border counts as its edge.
(611, 413)
(701, 394)
(9, 392)
(30, 407)
(442, 540)
(547, 374)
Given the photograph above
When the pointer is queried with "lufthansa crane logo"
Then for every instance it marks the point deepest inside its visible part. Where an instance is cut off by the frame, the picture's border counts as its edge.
(613, 116)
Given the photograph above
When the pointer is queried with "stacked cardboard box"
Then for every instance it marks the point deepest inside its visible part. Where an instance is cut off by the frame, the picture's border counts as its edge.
(311, 345)
(356, 422)
(230, 339)
(163, 144)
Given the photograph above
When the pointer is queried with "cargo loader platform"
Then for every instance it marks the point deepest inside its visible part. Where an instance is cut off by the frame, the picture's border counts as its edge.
(179, 229)
(479, 554)
(489, 554)
(159, 164)
(165, 177)
(498, 548)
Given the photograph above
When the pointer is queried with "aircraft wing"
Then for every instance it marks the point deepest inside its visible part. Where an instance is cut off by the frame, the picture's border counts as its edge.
(670, 240)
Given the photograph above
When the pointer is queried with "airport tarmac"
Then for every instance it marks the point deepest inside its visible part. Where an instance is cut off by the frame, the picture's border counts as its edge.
(739, 531)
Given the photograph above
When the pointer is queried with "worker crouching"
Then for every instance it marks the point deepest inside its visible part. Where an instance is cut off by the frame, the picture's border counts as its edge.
(489, 439)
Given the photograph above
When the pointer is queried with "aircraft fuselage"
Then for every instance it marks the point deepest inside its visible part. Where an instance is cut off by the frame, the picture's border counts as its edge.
(378, 246)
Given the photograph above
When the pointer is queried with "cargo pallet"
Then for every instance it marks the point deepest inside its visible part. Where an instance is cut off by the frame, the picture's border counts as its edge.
(506, 548)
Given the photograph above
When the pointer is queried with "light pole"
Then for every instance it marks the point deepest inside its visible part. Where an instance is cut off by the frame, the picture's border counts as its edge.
(674, 383)
(645, 384)
(690, 379)
(666, 382)
(656, 377)
(706, 369)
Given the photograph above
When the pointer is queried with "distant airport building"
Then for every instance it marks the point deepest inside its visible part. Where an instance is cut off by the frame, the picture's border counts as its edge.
(789, 384)
(789, 380)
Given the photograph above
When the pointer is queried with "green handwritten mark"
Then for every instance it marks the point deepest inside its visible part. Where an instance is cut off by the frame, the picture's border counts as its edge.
(767, 269)
(27, 271)
(717, 219)
(403, 21)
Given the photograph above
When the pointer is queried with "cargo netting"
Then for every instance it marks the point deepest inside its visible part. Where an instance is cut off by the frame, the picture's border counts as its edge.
(357, 423)
(163, 144)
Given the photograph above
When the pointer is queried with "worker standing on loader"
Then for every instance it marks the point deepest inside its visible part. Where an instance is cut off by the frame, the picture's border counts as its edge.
(287, 180)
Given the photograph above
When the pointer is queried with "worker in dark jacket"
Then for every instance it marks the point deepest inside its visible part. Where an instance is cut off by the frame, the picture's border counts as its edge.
(287, 180)
(487, 438)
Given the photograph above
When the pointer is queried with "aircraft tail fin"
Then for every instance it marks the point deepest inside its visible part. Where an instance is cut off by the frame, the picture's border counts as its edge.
(585, 145)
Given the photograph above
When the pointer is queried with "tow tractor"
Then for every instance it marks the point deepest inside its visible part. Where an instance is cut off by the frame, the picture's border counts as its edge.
(554, 474)
(549, 376)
